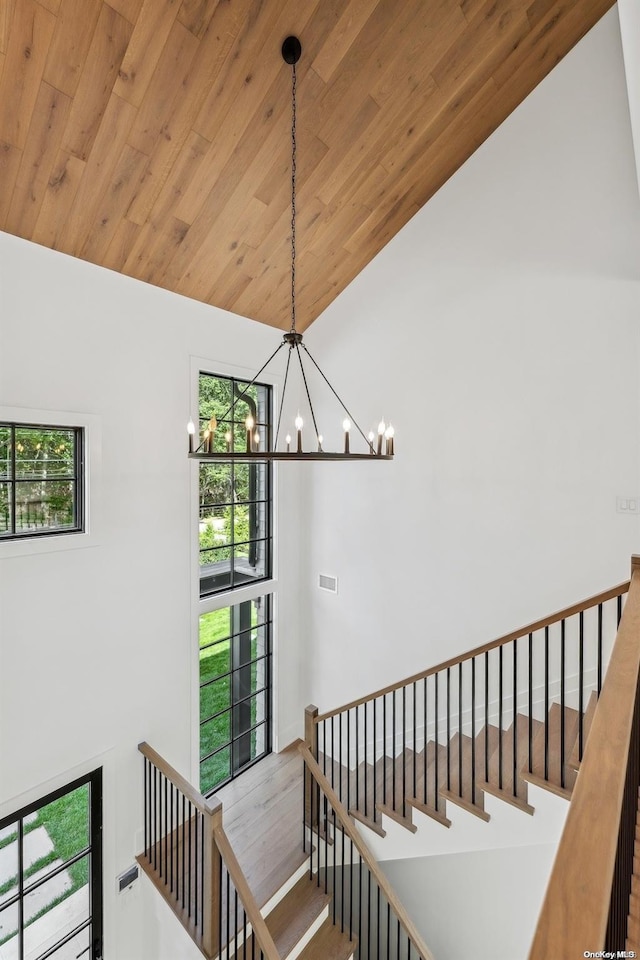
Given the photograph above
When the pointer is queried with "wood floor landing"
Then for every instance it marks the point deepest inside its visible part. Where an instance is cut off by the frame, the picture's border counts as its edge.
(262, 817)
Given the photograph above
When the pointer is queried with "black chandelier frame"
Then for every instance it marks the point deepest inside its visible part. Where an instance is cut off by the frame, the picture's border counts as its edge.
(291, 52)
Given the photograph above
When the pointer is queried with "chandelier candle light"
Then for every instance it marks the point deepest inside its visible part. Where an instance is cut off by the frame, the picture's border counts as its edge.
(291, 50)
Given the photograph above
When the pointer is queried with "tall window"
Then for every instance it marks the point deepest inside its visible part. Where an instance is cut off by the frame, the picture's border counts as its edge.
(235, 551)
(51, 875)
(41, 480)
(235, 498)
(235, 690)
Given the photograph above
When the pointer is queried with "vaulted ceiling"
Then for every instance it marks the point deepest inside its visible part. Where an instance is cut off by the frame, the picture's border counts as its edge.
(152, 136)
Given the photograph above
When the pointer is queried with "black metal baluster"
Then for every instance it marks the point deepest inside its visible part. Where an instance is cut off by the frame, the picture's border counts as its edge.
(448, 729)
(171, 840)
(460, 728)
(500, 707)
(146, 810)
(166, 850)
(599, 648)
(322, 826)
(196, 895)
(486, 716)
(384, 752)
(437, 756)
(305, 775)
(324, 747)
(368, 910)
(325, 814)
(341, 795)
(393, 754)
(377, 919)
(312, 844)
(189, 873)
(333, 753)
(235, 922)
(581, 690)
(154, 831)
(404, 751)
(530, 694)
(515, 717)
(388, 930)
(375, 759)
(342, 882)
(333, 857)
(562, 696)
(413, 793)
(360, 898)
(228, 913)
(424, 755)
(160, 843)
(184, 827)
(364, 706)
(357, 764)
(348, 760)
(222, 869)
(619, 608)
(473, 730)
(546, 703)
(350, 889)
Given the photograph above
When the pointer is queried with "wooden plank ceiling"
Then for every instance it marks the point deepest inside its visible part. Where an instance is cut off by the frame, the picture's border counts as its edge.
(152, 136)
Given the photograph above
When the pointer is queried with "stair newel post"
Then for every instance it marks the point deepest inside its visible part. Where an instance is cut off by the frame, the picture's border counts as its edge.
(311, 737)
(212, 818)
(311, 729)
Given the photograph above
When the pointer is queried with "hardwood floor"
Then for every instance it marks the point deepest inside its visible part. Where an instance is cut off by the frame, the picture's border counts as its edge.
(262, 816)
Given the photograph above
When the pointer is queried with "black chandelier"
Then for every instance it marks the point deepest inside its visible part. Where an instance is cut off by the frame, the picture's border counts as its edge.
(377, 448)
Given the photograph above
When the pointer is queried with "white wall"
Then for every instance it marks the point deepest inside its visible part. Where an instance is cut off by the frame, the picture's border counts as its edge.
(475, 905)
(96, 643)
(499, 332)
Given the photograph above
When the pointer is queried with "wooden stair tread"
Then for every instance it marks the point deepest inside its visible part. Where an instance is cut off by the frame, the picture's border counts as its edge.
(375, 825)
(465, 791)
(329, 944)
(404, 819)
(282, 871)
(554, 781)
(503, 787)
(587, 720)
(291, 918)
(430, 811)
(293, 915)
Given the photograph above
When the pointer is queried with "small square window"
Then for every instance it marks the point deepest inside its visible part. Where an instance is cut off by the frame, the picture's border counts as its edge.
(41, 480)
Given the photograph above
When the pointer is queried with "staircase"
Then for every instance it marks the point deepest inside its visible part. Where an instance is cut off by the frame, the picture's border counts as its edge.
(514, 712)
(304, 911)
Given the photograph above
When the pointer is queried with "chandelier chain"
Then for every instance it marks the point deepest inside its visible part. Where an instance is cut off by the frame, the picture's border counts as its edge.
(293, 199)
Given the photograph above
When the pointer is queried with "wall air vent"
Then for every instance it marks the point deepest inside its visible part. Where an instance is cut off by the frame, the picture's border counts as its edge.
(326, 582)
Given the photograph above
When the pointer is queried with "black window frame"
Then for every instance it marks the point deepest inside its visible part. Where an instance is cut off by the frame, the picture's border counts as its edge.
(77, 479)
(238, 742)
(95, 921)
(227, 579)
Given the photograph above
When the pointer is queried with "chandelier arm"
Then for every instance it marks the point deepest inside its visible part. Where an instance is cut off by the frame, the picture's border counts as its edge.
(313, 416)
(338, 398)
(284, 390)
(249, 385)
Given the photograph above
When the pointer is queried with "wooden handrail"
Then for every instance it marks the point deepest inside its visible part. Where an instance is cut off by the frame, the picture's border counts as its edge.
(258, 925)
(477, 651)
(575, 911)
(205, 806)
(347, 825)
